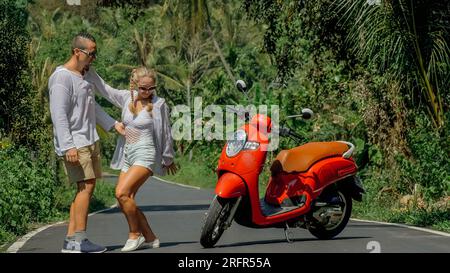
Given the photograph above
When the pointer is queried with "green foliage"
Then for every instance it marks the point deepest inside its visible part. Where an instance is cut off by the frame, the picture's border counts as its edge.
(431, 165)
(13, 62)
(30, 193)
(27, 191)
(406, 41)
(425, 218)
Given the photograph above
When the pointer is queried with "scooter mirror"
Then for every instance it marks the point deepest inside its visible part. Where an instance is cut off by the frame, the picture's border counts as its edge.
(241, 86)
(307, 113)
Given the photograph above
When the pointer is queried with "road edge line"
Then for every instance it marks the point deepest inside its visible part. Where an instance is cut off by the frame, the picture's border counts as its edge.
(177, 184)
(441, 233)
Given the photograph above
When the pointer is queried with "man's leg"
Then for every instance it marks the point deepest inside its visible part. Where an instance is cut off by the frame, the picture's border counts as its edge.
(81, 210)
(71, 228)
(85, 172)
(81, 203)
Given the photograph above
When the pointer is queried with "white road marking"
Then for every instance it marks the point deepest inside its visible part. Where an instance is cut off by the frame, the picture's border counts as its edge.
(174, 183)
(441, 233)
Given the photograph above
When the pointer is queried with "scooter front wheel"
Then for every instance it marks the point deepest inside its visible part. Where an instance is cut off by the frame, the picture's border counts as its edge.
(215, 221)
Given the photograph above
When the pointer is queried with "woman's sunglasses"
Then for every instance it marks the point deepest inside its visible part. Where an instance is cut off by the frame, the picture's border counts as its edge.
(151, 88)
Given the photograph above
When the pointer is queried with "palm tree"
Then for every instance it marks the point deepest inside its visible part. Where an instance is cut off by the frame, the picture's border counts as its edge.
(197, 18)
(407, 41)
(45, 23)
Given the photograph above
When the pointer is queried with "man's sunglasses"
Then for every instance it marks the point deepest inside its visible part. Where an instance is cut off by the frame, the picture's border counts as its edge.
(92, 54)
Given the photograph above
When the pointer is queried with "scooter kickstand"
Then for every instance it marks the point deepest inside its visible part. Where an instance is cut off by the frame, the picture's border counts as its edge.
(288, 233)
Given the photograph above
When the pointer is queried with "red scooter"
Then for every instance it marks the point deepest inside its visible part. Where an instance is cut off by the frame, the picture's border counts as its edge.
(311, 186)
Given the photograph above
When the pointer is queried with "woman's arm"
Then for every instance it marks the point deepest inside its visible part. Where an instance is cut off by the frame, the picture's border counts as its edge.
(115, 96)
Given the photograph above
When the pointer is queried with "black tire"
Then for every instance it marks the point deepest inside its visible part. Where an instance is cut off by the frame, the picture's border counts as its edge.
(214, 224)
(323, 233)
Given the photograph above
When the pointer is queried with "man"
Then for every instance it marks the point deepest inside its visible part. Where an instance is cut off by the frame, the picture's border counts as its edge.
(74, 114)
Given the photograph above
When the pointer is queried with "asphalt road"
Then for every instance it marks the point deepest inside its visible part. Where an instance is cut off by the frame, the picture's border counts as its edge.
(175, 214)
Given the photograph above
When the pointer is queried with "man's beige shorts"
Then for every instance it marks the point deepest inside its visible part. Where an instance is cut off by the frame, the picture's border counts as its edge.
(88, 166)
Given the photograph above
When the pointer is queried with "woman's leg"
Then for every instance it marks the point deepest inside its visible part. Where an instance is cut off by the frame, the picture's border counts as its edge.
(119, 181)
(128, 184)
(143, 223)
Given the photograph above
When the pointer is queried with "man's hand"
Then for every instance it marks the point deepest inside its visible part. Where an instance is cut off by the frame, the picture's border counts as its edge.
(120, 128)
(72, 155)
(171, 169)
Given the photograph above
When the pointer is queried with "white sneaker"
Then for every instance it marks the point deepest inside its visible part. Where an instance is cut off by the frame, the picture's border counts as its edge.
(133, 244)
(154, 243)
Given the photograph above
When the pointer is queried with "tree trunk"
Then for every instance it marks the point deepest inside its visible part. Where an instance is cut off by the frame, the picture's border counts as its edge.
(219, 51)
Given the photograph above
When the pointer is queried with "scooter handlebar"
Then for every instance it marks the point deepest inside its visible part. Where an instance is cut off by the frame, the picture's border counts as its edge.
(284, 131)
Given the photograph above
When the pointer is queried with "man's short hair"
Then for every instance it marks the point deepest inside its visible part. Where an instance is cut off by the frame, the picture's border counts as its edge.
(79, 40)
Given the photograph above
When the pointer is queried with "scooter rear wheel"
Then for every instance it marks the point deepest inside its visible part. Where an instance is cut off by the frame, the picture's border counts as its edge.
(324, 232)
(214, 224)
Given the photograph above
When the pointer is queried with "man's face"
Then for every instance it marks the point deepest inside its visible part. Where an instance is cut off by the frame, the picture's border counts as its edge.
(87, 55)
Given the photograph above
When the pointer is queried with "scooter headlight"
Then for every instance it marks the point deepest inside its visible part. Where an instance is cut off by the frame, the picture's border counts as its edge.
(235, 145)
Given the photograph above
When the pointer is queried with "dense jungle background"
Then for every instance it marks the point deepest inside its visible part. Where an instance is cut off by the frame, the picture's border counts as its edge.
(376, 73)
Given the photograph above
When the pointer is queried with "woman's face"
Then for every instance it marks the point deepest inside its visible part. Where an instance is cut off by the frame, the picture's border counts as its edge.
(146, 87)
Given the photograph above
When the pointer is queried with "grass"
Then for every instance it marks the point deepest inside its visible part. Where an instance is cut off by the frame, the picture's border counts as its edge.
(432, 218)
(193, 172)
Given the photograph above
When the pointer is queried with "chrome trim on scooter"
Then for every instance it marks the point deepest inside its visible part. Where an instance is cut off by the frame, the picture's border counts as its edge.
(349, 153)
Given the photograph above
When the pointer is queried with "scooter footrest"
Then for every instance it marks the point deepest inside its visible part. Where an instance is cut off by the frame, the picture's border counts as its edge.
(268, 209)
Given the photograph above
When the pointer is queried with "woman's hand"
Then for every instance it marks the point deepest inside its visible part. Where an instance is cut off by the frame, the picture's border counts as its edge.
(120, 128)
(171, 169)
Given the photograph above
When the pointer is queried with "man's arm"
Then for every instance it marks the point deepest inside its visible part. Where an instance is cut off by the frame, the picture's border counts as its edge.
(115, 96)
(103, 119)
(59, 109)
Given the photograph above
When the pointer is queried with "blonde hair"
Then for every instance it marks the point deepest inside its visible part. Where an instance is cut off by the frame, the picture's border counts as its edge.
(136, 75)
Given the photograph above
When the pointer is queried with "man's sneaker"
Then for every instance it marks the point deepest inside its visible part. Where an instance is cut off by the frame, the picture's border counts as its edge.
(85, 246)
(70, 246)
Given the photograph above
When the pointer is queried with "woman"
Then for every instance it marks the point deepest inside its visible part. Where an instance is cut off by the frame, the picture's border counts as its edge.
(145, 149)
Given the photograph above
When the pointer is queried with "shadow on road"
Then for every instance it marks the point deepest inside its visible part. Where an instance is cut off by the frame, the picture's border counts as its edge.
(164, 208)
(284, 241)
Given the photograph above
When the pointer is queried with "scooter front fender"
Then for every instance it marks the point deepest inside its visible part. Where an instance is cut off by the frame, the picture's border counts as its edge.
(230, 185)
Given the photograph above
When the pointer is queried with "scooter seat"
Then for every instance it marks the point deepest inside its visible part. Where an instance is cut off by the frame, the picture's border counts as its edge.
(301, 158)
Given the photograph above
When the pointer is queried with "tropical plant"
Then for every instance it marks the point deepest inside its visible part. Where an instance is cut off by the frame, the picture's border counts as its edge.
(407, 41)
